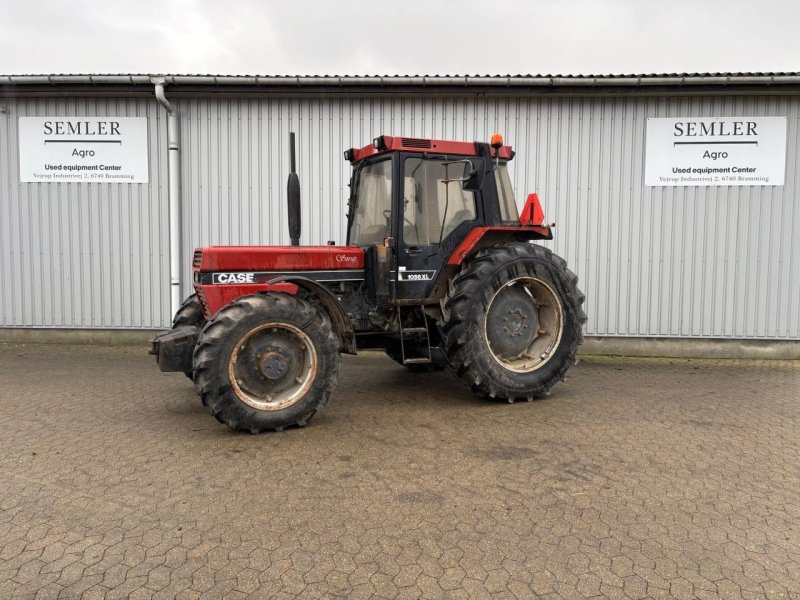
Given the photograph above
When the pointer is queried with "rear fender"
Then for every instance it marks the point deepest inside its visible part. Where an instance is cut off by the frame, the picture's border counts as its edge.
(474, 242)
(339, 319)
(481, 237)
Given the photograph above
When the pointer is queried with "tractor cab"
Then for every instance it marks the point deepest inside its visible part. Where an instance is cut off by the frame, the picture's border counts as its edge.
(417, 200)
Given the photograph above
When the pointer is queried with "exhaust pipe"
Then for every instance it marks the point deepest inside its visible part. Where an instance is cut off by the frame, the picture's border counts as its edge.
(293, 196)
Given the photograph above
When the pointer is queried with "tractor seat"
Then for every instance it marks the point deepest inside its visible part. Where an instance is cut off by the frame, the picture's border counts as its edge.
(374, 234)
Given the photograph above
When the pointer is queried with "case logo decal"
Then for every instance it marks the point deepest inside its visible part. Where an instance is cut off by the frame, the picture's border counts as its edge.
(222, 278)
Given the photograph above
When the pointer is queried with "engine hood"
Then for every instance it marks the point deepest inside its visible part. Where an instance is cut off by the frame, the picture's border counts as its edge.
(277, 258)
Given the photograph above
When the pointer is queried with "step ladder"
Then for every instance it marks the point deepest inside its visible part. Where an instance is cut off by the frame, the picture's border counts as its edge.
(414, 360)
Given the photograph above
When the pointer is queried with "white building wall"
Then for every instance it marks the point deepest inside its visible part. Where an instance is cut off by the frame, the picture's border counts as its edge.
(720, 262)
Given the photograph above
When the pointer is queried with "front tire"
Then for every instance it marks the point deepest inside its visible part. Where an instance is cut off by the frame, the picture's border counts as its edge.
(266, 362)
(512, 321)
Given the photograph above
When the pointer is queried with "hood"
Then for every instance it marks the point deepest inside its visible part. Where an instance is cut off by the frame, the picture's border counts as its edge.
(277, 258)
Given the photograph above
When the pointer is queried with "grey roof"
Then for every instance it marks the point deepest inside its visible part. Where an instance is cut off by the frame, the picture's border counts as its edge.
(624, 80)
(360, 86)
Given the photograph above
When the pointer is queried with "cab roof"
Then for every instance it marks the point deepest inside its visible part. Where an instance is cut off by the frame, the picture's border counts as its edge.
(385, 144)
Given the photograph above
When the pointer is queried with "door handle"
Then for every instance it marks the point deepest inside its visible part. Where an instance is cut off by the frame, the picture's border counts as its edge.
(414, 250)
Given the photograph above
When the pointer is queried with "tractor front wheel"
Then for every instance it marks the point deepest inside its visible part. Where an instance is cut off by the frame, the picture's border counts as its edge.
(512, 321)
(266, 362)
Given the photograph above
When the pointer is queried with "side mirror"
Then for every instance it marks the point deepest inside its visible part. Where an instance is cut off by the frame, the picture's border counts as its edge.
(473, 176)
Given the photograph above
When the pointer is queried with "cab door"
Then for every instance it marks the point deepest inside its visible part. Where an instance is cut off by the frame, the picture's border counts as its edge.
(436, 214)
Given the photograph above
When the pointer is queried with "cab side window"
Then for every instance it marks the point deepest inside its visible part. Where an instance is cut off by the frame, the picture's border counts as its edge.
(505, 195)
(434, 201)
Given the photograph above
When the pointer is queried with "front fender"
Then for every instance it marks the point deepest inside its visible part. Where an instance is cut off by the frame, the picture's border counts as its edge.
(214, 297)
(339, 319)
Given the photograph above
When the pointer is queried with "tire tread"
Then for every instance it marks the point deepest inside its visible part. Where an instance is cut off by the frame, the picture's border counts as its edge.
(466, 286)
(215, 394)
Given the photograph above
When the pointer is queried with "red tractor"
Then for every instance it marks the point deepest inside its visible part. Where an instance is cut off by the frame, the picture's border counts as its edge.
(438, 271)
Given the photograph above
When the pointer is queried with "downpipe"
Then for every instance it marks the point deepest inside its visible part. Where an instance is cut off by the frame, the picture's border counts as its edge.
(174, 195)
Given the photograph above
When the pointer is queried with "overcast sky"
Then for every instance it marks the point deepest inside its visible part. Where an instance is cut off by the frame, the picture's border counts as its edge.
(398, 37)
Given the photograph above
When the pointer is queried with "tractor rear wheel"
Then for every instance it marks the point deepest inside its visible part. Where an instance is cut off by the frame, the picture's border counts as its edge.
(512, 321)
(191, 314)
(266, 362)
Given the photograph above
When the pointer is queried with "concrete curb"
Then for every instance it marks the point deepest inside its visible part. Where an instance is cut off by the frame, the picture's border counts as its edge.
(693, 348)
(93, 337)
(608, 346)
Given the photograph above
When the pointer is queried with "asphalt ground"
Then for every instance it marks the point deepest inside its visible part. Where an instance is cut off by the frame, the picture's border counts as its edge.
(637, 478)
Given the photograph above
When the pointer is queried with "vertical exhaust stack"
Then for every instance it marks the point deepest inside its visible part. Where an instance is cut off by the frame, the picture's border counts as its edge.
(293, 196)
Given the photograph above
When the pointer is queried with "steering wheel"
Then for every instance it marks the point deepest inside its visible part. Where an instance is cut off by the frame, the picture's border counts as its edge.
(387, 214)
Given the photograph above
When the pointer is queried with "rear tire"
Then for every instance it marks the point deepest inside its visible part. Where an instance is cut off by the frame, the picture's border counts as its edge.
(190, 313)
(512, 321)
(266, 362)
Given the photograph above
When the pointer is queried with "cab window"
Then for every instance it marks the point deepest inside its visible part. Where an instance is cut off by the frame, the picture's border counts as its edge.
(371, 222)
(505, 195)
(433, 200)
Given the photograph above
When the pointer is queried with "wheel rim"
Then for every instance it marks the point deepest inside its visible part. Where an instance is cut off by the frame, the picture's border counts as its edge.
(272, 366)
(523, 324)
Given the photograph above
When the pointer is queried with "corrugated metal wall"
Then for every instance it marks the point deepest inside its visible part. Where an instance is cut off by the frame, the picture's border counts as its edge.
(678, 262)
(83, 254)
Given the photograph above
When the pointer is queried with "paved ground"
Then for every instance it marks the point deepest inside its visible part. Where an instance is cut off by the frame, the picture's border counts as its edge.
(637, 478)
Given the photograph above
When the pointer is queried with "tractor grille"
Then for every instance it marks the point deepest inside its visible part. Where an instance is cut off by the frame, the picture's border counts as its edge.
(197, 259)
(415, 143)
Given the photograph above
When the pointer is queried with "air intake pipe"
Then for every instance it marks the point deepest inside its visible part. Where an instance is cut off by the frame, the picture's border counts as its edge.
(293, 196)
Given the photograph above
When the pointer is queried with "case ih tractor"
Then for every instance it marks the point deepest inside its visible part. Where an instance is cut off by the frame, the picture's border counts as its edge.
(438, 271)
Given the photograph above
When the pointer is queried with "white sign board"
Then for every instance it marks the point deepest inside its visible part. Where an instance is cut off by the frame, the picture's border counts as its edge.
(715, 151)
(83, 149)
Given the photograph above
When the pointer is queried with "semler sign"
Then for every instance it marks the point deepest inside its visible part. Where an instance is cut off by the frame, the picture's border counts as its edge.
(83, 149)
(715, 151)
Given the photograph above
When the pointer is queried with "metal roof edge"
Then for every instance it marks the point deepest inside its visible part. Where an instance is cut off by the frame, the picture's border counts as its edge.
(516, 81)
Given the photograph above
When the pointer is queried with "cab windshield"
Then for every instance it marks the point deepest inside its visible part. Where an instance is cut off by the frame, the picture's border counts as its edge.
(372, 214)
